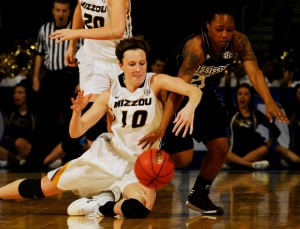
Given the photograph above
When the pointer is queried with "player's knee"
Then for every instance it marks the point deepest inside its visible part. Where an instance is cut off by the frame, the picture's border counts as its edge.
(182, 160)
(31, 188)
(132, 208)
(19, 143)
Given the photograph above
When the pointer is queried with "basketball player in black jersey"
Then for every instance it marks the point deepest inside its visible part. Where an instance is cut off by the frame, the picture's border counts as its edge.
(205, 57)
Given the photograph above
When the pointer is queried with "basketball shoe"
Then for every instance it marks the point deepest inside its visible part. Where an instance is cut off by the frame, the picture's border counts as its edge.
(90, 206)
(260, 165)
(200, 201)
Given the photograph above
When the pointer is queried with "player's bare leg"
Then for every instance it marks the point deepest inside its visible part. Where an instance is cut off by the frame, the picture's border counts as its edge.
(29, 188)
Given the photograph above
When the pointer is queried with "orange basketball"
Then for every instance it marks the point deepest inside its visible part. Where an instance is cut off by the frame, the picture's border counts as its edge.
(154, 168)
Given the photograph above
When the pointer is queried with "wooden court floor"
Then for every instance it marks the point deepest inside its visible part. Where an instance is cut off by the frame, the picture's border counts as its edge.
(250, 200)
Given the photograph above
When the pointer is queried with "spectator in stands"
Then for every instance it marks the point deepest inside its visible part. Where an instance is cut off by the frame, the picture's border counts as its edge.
(19, 65)
(158, 65)
(13, 81)
(292, 154)
(272, 71)
(290, 68)
(19, 125)
(248, 149)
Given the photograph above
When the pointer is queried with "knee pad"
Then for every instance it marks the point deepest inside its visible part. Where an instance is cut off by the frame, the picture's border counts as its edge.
(31, 188)
(133, 208)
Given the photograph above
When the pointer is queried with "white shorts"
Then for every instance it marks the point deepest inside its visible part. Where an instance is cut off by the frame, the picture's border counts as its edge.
(95, 75)
(99, 169)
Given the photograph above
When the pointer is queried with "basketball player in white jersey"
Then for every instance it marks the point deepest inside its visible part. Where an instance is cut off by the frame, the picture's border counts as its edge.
(109, 163)
(102, 24)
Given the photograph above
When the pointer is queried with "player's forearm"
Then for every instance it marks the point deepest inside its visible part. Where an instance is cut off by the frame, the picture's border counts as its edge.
(195, 96)
(75, 128)
(104, 33)
(260, 85)
(172, 105)
(73, 45)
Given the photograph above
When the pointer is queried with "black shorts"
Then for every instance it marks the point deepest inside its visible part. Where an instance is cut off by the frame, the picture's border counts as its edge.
(210, 122)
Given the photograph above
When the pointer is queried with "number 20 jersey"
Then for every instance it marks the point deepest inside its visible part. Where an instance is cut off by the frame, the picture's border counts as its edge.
(96, 14)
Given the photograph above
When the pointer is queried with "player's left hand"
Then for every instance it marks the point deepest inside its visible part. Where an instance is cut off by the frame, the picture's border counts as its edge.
(184, 120)
(273, 110)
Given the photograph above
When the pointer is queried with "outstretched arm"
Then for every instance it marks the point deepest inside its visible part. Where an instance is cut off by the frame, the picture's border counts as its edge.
(244, 49)
(80, 124)
(192, 58)
(185, 117)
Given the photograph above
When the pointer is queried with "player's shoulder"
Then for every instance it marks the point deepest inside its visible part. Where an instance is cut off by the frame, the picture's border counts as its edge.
(240, 41)
(195, 38)
(127, 3)
(195, 46)
(238, 34)
(157, 76)
(194, 42)
(239, 37)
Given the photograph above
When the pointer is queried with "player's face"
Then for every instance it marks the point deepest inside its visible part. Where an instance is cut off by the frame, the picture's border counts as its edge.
(220, 30)
(134, 66)
(61, 13)
(243, 97)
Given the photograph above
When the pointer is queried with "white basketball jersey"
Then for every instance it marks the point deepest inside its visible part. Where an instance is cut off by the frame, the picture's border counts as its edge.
(135, 115)
(96, 14)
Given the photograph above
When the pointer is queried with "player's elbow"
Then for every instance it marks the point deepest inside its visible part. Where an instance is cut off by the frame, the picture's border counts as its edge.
(118, 32)
(74, 134)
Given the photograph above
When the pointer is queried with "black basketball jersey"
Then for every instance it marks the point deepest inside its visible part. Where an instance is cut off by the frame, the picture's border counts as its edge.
(208, 73)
